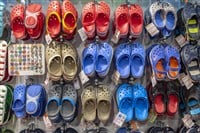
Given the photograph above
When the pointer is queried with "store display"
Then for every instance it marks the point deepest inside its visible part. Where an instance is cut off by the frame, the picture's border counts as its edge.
(26, 59)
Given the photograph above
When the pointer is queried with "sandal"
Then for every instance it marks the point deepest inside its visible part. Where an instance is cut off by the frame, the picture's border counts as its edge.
(17, 21)
(173, 65)
(103, 103)
(157, 60)
(68, 102)
(53, 104)
(136, 20)
(141, 102)
(102, 18)
(137, 60)
(35, 100)
(124, 96)
(69, 17)
(3, 63)
(34, 20)
(190, 59)
(121, 20)
(53, 19)
(19, 101)
(157, 15)
(88, 19)
(89, 59)
(122, 60)
(88, 99)
(70, 61)
(103, 59)
(54, 61)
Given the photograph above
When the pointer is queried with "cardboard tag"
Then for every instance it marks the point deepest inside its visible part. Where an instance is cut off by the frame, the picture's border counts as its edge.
(152, 29)
(83, 78)
(187, 121)
(48, 39)
(115, 38)
(180, 77)
(47, 122)
(180, 40)
(119, 119)
(115, 77)
(82, 34)
(152, 116)
(77, 84)
(153, 80)
(187, 82)
(12, 38)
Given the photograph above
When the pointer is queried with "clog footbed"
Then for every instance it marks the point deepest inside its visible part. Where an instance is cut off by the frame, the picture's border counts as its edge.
(193, 28)
(124, 96)
(122, 60)
(53, 19)
(89, 59)
(159, 104)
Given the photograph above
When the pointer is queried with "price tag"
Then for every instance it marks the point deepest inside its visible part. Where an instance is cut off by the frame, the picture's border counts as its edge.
(12, 38)
(47, 122)
(152, 29)
(187, 121)
(119, 119)
(48, 39)
(115, 38)
(180, 77)
(180, 40)
(84, 78)
(187, 82)
(77, 84)
(152, 116)
(82, 34)
(153, 80)
(115, 77)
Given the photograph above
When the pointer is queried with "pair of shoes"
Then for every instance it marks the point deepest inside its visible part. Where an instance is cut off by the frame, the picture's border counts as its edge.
(165, 60)
(62, 60)
(193, 129)
(129, 18)
(190, 16)
(97, 58)
(61, 103)
(165, 98)
(5, 103)
(27, 21)
(30, 99)
(161, 130)
(164, 17)
(96, 101)
(191, 59)
(64, 16)
(96, 17)
(132, 100)
(130, 58)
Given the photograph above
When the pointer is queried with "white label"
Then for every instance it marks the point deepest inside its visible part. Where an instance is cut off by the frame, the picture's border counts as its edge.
(77, 84)
(116, 77)
(13, 39)
(115, 38)
(84, 78)
(46, 82)
(48, 39)
(119, 119)
(180, 77)
(187, 82)
(47, 122)
(153, 80)
(152, 29)
(181, 41)
(82, 34)
(187, 121)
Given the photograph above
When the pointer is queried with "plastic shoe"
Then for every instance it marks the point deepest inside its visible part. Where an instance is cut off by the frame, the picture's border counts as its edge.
(53, 19)
(190, 17)
(103, 59)
(172, 58)
(157, 60)
(54, 61)
(141, 102)
(190, 59)
(102, 18)
(54, 102)
(137, 60)
(89, 59)
(122, 60)
(34, 20)
(70, 62)
(19, 101)
(136, 20)
(17, 21)
(124, 96)
(157, 15)
(68, 102)
(121, 20)
(88, 19)
(35, 100)
(88, 99)
(69, 18)
(103, 103)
